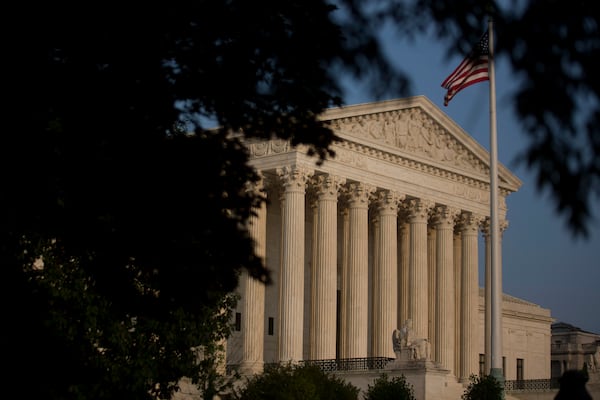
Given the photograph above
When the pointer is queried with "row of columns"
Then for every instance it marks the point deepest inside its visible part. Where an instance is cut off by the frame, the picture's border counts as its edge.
(448, 261)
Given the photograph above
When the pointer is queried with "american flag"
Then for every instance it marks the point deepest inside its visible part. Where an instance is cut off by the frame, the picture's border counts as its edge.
(473, 69)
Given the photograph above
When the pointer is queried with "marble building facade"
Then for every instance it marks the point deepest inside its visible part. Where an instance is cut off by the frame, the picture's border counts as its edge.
(384, 232)
(572, 348)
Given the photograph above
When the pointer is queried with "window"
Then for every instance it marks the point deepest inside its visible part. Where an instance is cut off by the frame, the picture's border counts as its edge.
(519, 369)
(238, 321)
(504, 367)
(271, 326)
(482, 364)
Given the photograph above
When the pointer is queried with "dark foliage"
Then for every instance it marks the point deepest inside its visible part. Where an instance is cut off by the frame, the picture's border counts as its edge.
(111, 175)
(484, 387)
(396, 388)
(553, 55)
(287, 382)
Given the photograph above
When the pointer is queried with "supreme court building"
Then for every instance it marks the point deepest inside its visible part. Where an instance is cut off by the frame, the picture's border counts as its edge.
(386, 231)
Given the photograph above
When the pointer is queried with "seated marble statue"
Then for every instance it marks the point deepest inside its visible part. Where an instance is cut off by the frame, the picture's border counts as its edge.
(406, 333)
(414, 348)
(421, 349)
(396, 342)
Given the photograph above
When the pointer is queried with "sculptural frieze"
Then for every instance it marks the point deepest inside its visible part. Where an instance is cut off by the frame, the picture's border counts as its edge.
(412, 131)
(411, 136)
(268, 147)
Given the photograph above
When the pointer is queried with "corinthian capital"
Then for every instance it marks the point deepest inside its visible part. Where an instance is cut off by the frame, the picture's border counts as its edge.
(327, 186)
(445, 216)
(418, 209)
(485, 226)
(257, 187)
(359, 193)
(387, 201)
(294, 179)
(469, 222)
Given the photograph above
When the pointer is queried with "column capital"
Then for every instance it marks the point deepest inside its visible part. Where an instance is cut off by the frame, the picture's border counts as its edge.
(469, 222)
(294, 178)
(257, 190)
(418, 209)
(484, 226)
(485, 223)
(257, 187)
(358, 194)
(386, 202)
(445, 216)
(430, 231)
(327, 187)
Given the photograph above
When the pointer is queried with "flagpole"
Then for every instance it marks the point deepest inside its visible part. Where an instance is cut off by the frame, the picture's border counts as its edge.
(496, 268)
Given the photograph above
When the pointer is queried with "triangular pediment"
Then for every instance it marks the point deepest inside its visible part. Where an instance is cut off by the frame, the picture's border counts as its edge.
(416, 130)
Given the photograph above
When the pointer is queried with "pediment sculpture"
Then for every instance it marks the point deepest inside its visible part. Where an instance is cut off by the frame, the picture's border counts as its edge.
(414, 132)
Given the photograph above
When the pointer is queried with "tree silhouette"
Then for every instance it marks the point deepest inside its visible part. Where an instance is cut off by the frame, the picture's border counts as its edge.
(553, 56)
(121, 202)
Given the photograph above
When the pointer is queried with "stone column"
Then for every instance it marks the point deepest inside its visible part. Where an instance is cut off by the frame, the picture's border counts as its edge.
(444, 335)
(418, 305)
(470, 294)
(358, 276)
(344, 305)
(403, 284)
(385, 274)
(324, 271)
(291, 284)
(431, 280)
(457, 253)
(253, 301)
(312, 199)
(373, 261)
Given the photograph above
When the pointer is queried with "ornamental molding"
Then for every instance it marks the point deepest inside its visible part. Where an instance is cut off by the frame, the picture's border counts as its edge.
(414, 132)
(410, 133)
(262, 148)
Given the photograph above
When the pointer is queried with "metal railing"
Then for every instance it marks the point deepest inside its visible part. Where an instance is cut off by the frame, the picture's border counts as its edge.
(531, 385)
(340, 364)
(377, 363)
(350, 364)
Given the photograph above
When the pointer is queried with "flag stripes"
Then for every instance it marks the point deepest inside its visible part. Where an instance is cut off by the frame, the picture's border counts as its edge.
(473, 69)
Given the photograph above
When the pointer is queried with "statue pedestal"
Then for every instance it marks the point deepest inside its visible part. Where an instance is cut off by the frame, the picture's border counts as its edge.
(429, 380)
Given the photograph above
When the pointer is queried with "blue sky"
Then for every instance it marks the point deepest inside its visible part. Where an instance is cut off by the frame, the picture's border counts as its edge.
(542, 262)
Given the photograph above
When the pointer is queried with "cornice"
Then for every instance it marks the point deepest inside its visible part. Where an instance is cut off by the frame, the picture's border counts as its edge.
(346, 149)
(412, 133)
(423, 111)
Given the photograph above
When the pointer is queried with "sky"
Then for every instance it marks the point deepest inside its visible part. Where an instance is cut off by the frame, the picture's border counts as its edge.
(542, 262)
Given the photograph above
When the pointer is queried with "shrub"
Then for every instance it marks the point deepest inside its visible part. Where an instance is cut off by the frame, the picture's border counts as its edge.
(484, 387)
(287, 382)
(385, 389)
